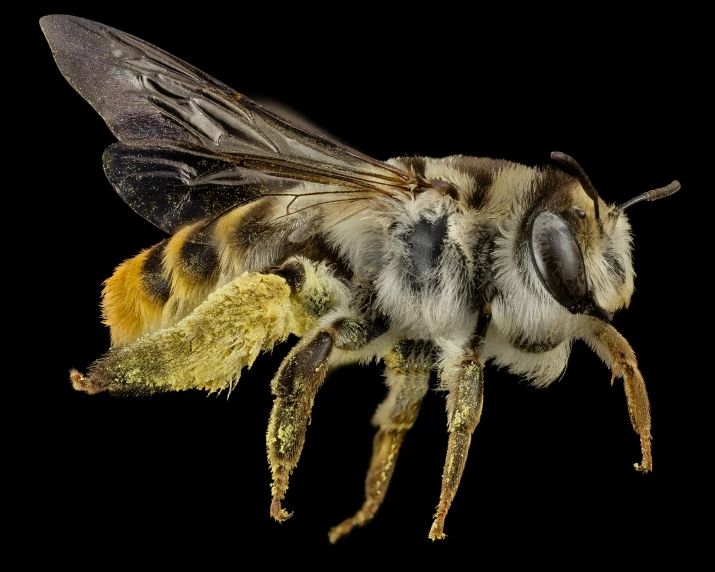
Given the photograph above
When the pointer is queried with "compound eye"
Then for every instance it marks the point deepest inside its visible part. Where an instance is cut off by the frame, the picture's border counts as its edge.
(558, 260)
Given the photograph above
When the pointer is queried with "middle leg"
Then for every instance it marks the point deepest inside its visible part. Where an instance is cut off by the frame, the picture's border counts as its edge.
(407, 373)
(295, 385)
(465, 384)
(464, 404)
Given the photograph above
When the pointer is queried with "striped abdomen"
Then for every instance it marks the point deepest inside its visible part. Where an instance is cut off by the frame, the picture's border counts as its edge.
(164, 283)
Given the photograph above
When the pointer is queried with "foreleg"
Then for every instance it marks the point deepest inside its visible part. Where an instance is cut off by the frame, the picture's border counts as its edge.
(618, 354)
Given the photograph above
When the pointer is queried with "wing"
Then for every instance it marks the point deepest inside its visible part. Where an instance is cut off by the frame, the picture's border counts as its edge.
(190, 148)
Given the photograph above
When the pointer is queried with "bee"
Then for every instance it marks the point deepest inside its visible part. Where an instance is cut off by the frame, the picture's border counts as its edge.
(423, 264)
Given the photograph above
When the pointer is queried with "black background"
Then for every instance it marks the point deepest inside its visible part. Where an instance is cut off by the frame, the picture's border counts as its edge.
(550, 475)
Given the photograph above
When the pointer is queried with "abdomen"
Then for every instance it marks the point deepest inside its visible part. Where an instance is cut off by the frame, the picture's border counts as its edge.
(164, 283)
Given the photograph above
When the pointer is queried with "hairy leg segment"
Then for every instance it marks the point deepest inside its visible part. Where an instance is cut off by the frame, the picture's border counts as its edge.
(295, 385)
(465, 384)
(616, 352)
(407, 373)
(207, 349)
(464, 408)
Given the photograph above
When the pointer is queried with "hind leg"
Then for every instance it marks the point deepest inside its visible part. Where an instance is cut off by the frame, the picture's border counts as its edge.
(207, 349)
(225, 333)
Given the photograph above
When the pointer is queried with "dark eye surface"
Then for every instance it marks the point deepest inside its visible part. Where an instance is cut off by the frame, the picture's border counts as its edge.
(558, 259)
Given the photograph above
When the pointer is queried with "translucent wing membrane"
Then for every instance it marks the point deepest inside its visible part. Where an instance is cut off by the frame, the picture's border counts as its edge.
(172, 184)
(175, 185)
(188, 138)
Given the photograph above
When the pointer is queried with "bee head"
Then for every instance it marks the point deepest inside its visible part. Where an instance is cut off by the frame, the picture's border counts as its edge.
(581, 247)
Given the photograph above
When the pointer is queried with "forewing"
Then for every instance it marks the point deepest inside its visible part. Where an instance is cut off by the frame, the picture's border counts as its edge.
(173, 184)
(191, 147)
